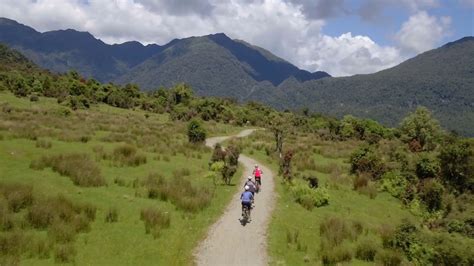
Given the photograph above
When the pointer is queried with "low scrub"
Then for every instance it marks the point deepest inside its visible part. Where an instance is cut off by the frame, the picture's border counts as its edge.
(155, 220)
(309, 197)
(82, 170)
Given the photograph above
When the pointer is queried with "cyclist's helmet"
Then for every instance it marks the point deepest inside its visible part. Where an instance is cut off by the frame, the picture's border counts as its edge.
(247, 187)
(249, 177)
(256, 165)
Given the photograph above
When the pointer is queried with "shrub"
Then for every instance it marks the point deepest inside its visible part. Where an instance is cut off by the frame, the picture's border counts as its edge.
(389, 257)
(457, 165)
(155, 220)
(364, 160)
(394, 183)
(308, 197)
(196, 132)
(422, 127)
(431, 193)
(366, 249)
(427, 166)
(111, 216)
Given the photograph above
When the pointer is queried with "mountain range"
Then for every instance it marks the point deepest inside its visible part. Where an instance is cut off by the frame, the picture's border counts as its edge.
(215, 65)
(202, 62)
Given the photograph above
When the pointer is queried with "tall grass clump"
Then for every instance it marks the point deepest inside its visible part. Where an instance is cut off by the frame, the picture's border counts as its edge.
(179, 191)
(16, 196)
(127, 155)
(45, 144)
(111, 216)
(155, 221)
(336, 236)
(23, 214)
(80, 168)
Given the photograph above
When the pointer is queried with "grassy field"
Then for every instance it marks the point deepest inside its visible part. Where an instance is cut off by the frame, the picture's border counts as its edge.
(141, 158)
(295, 234)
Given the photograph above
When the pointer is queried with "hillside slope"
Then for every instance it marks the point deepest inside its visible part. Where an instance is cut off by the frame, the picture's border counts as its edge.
(65, 50)
(440, 79)
(214, 64)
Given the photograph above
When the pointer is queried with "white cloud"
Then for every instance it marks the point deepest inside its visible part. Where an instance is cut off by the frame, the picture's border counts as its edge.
(281, 26)
(422, 32)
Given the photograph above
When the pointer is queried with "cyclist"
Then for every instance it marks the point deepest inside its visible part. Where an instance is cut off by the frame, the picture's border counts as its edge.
(251, 184)
(246, 197)
(257, 172)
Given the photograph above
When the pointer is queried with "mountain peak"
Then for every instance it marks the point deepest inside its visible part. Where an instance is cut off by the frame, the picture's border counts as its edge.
(462, 40)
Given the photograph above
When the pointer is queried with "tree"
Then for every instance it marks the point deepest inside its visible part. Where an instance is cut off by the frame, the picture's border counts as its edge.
(181, 93)
(421, 127)
(196, 132)
(457, 164)
(231, 162)
(285, 166)
(279, 126)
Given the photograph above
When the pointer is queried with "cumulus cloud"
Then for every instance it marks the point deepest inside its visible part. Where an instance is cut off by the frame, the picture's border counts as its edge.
(291, 29)
(373, 10)
(321, 9)
(422, 32)
(347, 54)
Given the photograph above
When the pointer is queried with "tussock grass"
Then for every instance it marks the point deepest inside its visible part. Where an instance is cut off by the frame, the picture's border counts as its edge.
(127, 155)
(23, 214)
(155, 220)
(111, 216)
(45, 144)
(80, 168)
(179, 191)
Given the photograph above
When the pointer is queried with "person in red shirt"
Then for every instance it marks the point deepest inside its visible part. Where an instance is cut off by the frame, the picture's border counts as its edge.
(257, 173)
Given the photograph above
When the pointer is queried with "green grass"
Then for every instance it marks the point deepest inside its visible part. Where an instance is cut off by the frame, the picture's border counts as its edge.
(161, 141)
(290, 218)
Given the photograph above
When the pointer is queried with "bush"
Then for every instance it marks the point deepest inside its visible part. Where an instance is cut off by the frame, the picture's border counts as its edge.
(360, 181)
(422, 127)
(155, 220)
(457, 165)
(389, 257)
(427, 166)
(111, 216)
(196, 132)
(431, 193)
(364, 160)
(308, 197)
(394, 183)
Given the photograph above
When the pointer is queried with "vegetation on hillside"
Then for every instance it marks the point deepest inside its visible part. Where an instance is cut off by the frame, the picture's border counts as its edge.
(351, 189)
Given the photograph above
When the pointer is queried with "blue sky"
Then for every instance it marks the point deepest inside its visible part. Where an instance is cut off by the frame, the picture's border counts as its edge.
(382, 30)
(341, 37)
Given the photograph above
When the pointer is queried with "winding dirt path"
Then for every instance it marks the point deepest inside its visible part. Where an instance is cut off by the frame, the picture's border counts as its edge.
(228, 242)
